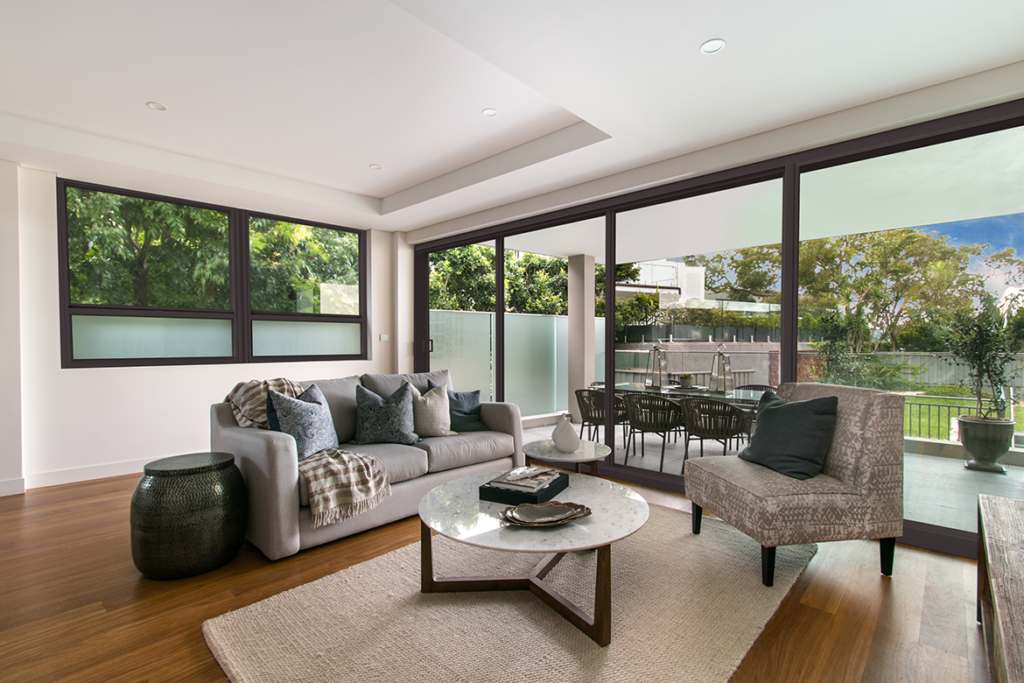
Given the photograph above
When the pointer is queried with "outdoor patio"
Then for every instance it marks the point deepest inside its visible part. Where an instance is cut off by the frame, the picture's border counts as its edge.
(936, 490)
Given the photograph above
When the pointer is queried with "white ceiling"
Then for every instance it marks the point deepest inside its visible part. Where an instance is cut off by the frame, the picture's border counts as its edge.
(300, 98)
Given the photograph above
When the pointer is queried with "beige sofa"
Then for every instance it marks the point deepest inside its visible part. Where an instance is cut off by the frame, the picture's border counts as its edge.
(280, 523)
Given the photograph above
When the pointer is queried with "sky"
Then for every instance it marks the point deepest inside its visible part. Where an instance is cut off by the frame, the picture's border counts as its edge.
(999, 231)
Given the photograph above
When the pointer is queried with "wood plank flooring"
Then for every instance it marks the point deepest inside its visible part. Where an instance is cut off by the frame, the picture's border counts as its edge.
(74, 608)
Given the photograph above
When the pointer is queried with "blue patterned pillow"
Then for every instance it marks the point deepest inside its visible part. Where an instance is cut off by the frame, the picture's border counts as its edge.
(307, 418)
(380, 421)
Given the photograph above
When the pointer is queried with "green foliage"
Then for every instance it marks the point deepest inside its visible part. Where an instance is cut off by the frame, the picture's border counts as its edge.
(639, 309)
(981, 344)
(839, 365)
(923, 336)
(536, 284)
(126, 251)
(288, 263)
(462, 279)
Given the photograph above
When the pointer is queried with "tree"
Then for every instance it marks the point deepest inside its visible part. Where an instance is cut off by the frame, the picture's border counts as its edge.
(288, 263)
(127, 251)
(462, 279)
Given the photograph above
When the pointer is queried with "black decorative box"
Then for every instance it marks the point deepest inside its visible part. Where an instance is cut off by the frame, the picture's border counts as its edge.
(496, 494)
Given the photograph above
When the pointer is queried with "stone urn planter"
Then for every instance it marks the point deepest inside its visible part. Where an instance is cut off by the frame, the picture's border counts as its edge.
(985, 441)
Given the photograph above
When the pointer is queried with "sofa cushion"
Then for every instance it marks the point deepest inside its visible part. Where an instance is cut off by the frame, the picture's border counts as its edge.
(448, 452)
(385, 421)
(464, 407)
(400, 462)
(430, 412)
(306, 418)
(341, 397)
(385, 385)
(792, 438)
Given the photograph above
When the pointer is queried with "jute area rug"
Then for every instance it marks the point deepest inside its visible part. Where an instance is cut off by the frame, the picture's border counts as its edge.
(684, 608)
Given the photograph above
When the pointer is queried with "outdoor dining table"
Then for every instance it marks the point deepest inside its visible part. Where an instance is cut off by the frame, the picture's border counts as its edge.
(743, 398)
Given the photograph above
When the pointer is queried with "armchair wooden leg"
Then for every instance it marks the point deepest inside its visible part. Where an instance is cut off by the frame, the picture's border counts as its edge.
(768, 566)
(887, 547)
(698, 512)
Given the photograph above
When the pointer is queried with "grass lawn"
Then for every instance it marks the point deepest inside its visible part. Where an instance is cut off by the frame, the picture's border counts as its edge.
(933, 423)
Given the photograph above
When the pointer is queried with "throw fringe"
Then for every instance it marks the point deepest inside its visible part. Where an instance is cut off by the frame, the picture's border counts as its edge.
(345, 511)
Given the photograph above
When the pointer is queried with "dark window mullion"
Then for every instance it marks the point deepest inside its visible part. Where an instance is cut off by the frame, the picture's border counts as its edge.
(240, 294)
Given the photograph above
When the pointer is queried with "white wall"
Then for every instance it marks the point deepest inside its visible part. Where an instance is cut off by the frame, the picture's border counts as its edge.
(80, 424)
(11, 479)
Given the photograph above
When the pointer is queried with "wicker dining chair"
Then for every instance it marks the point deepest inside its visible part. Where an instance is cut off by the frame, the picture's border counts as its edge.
(651, 413)
(707, 418)
(591, 403)
(751, 413)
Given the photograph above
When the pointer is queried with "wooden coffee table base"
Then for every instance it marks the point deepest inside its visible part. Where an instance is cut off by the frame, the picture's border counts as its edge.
(598, 628)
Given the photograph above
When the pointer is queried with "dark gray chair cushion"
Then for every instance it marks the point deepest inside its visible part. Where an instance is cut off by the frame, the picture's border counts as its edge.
(792, 438)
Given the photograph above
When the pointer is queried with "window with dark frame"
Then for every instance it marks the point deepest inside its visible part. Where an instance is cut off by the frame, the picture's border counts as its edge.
(150, 280)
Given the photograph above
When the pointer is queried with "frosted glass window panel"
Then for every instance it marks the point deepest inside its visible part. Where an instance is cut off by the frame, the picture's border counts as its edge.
(599, 349)
(463, 343)
(110, 337)
(561, 364)
(288, 338)
(966, 179)
(531, 363)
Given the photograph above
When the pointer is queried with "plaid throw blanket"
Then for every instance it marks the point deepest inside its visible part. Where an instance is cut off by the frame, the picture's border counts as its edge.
(249, 399)
(343, 484)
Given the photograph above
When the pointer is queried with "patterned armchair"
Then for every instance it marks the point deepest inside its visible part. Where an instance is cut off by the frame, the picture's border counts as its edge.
(858, 494)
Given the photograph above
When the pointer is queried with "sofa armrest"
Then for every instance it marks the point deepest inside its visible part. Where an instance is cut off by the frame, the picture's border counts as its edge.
(270, 467)
(505, 418)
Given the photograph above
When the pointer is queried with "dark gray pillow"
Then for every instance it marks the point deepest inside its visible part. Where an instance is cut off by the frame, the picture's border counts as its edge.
(792, 438)
(464, 407)
(385, 421)
(306, 417)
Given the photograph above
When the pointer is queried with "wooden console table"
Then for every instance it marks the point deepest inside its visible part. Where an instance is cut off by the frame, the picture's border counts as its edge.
(1001, 584)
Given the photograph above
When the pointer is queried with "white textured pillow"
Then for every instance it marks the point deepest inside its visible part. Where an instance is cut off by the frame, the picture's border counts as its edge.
(430, 412)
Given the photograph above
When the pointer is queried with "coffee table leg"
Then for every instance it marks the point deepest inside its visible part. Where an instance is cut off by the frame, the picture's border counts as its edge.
(598, 628)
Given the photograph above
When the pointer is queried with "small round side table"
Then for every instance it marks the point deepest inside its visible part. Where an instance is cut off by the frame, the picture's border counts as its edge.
(589, 451)
(188, 515)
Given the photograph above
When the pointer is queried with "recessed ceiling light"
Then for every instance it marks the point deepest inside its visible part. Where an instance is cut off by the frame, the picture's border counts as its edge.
(375, 167)
(489, 112)
(712, 46)
(157, 106)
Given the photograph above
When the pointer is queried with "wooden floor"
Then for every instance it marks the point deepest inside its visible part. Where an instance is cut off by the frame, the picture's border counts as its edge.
(73, 607)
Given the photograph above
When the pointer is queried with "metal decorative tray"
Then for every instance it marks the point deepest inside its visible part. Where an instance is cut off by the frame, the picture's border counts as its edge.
(552, 513)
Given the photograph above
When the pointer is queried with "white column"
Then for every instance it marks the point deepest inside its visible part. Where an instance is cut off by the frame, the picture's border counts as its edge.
(581, 327)
(12, 478)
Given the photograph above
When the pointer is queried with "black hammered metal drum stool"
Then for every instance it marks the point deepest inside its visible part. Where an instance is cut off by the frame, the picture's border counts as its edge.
(188, 515)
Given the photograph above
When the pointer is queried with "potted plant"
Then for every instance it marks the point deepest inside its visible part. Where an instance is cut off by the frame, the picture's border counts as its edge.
(982, 344)
(686, 380)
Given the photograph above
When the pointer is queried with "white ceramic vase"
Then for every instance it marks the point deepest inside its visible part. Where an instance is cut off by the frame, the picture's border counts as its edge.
(564, 436)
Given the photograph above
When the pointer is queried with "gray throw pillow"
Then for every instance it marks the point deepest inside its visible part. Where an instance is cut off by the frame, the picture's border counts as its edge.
(385, 421)
(464, 407)
(792, 438)
(306, 417)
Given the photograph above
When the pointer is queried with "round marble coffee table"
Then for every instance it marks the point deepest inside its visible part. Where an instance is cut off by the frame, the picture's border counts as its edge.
(589, 451)
(456, 511)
